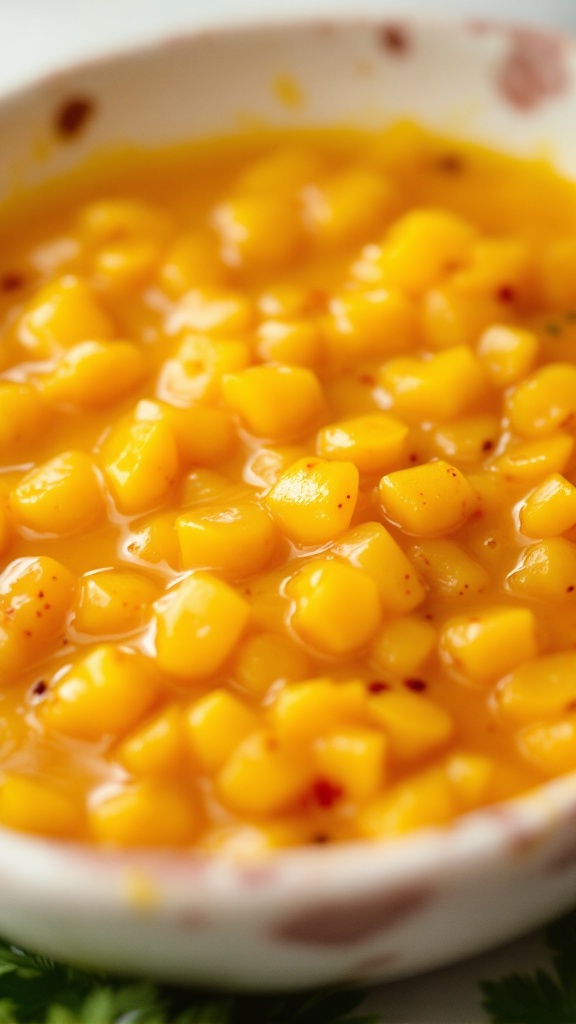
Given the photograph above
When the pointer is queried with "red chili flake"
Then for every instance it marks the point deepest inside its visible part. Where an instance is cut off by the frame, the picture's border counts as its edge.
(487, 446)
(413, 457)
(340, 504)
(321, 838)
(39, 688)
(40, 594)
(417, 685)
(394, 38)
(451, 163)
(506, 293)
(377, 686)
(571, 706)
(367, 379)
(73, 115)
(11, 281)
(326, 793)
(569, 589)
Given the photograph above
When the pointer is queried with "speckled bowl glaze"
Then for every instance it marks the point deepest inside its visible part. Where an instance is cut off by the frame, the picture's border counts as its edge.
(360, 911)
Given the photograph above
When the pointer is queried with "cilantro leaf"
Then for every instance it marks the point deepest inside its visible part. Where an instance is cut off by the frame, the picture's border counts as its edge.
(37, 990)
(541, 998)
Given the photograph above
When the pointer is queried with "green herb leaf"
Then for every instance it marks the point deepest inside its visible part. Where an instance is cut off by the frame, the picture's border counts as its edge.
(541, 998)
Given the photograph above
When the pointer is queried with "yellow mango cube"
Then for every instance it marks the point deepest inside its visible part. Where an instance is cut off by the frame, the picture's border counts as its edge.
(258, 231)
(550, 746)
(314, 500)
(148, 813)
(126, 263)
(22, 414)
(544, 402)
(28, 804)
(507, 353)
(62, 497)
(192, 261)
(111, 601)
(155, 542)
(440, 387)
(195, 372)
(336, 606)
(487, 645)
(266, 465)
(198, 623)
(371, 547)
(217, 312)
(261, 778)
(539, 689)
(498, 266)
(467, 439)
(303, 711)
(353, 759)
(470, 776)
(206, 487)
(140, 462)
(450, 317)
(283, 170)
(266, 658)
(546, 571)
(425, 800)
(278, 402)
(239, 539)
(295, 342)
(103, 221)
(105, 693)
(62, 313)
(557, 273)
(429, 499)
(372, 322)
(448, 569)
(550, 509)
(204, 436)
(157, 747)
(215, 725)
(375, 443)
(414, 724)
(403, 646)
(35, 597)
(421, 247)
(534, 460)
(347, 206)
(95, 374)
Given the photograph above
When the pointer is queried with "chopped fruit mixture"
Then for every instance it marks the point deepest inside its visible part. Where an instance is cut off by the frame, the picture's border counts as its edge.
(287, 491)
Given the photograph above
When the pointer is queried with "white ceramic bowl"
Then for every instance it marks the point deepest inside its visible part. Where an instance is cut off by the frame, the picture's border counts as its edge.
(359, 911)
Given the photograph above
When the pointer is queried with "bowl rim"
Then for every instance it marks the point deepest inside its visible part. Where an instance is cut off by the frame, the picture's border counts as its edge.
(472, 839)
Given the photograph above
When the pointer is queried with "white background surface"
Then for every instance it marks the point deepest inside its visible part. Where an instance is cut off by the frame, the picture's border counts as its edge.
(38, 35)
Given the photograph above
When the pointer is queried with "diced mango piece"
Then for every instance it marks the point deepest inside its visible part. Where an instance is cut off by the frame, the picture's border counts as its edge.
(500, 267)
(403, 646)
(303, 711)
(261, 778)
(198, 623)
(284, 169)
(440, 387)
(539, 689)
(258, 231)
(266, 658)
(192, 262)
(313, 501)
(448, 569)
(550, 746)
(95, 374)
(35, 597)
(425, 800)
(204, 436)
(348, 205)
(550, 509)
(375, 443)
(157, 747)
(353, 760)
(62, 497)
(148, 813)
(279, 402)
(140, 462)
(470, 776)
(217, 312)
(105, 693)
(485, 646)
(375, 322)
(468, 439)
(266, 465)
(421, 247)
(542, 403)
(111, 602)
(428, 499)
(507, 353)
(22, 414)
(414, 725)
(294, 342)
(238, 539)
(60, 315)
(336, 606)
(546, 571)
(450, 317)
(155, 542)
(126, 263)
(206, 487)
(215, 725)
(534, 460)
(557, 273)
(109, 220)
(28, 804)
(370, 547)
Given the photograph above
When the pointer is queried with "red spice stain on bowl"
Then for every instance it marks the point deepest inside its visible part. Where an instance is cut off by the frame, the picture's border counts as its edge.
(73, 115)
(345, 922)
(534, 70)
(394, 38)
